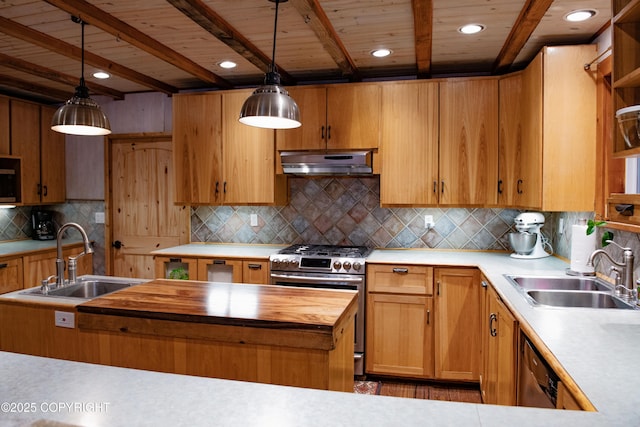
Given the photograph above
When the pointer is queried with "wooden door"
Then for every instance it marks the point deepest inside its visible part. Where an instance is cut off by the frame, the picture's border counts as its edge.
(409, 144)
(52, 165)
(25, 142)
(468, 142)
(531, 103)
(353, 116)
(399, 335)
(312, 103)
(457, 332)
(142, 216)
(197, 145)
(249, 156)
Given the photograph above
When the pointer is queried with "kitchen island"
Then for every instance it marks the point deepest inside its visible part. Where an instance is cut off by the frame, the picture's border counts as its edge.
(259, 333)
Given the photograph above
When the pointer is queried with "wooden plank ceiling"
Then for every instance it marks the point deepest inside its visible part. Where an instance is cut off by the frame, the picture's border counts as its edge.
(177, 45)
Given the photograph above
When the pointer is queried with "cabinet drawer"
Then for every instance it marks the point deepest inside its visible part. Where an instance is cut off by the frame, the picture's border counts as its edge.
(400, 279)
(10, 275)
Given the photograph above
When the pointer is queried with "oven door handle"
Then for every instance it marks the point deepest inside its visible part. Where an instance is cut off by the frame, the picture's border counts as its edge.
(315, 279)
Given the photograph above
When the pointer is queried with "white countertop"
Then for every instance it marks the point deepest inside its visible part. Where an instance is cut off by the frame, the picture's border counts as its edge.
(598, 348)
(224, 250)
(18, 247)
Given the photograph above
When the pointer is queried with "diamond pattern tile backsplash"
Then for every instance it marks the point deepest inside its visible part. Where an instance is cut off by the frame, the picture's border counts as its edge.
(336, 211)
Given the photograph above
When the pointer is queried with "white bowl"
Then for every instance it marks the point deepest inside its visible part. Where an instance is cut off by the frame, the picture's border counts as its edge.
(522, 243)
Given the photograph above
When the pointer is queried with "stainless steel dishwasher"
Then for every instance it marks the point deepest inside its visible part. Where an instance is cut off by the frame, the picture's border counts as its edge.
(538, 384)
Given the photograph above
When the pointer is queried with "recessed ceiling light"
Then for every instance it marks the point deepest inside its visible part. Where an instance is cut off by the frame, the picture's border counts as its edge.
(101, 75)
(381, 53)
(227, 64)
(471, 28)
(580, 15)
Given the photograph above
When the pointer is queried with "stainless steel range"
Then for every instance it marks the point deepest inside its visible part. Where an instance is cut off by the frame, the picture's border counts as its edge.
(329, 267)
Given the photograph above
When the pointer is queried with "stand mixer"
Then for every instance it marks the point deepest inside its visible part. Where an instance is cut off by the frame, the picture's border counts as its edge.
(529, 242)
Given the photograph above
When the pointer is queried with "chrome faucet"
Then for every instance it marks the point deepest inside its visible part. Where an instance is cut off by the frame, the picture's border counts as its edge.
(627, 271)
(72, 260)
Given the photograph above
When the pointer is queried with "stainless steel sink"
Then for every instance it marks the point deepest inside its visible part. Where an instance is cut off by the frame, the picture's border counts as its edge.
(87, 287)
(560, 283)
(590, 299)
(561, 291)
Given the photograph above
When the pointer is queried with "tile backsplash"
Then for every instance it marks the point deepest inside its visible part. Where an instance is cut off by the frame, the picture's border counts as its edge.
(342, 211)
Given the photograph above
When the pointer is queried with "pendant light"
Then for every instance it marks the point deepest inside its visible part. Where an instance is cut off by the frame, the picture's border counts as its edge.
(270, 105)
(81, 115)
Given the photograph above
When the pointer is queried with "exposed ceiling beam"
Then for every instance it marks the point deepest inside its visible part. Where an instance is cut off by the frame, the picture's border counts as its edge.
(315, 17)
(423, 29)
(25, 33)
(112, 25)
(213, 23)
(53, 75)
(39, 90)
(530, 16)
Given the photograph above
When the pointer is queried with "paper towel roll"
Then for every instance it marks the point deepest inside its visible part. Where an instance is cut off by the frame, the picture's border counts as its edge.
(582, 246)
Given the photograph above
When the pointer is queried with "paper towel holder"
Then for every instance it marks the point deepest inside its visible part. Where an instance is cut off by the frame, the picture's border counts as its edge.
(625, 210)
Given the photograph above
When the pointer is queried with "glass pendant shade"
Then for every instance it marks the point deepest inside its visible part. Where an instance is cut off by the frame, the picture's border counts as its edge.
(271, 107)
(80, 115)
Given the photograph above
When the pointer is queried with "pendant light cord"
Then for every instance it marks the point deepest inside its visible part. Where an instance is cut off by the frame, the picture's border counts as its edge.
(275, 29)
(82, 53)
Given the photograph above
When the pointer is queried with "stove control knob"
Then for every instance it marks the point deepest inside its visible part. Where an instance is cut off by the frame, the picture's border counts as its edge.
(357, 266)
(337, 265)
(293, 263)
(346, 265)
(275, 262)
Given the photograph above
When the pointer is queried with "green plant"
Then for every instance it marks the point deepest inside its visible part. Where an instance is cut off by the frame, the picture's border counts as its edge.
(179, 273)
(607, 235)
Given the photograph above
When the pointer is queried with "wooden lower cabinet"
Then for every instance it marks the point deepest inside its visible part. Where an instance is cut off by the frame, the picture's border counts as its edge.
(10, 275)
(213, 269)
(499, 351)
(399, 335)
(458, 317)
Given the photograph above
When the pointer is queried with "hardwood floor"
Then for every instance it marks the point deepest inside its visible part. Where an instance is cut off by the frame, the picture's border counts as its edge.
(423, 390)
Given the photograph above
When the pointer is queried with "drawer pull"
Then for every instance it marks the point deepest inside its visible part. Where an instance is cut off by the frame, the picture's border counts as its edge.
(255, 266)
(4, 265)
(492, 331)
(428, 317)
(219, 262)
(401, 270)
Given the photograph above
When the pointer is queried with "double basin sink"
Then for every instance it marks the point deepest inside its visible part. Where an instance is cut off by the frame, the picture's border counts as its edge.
(558, 291)
(87, 287)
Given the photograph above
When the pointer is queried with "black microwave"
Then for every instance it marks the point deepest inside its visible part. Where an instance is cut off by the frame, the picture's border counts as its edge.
(8, 186)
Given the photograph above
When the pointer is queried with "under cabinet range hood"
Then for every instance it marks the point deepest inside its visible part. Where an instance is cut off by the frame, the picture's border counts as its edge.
(327, 163)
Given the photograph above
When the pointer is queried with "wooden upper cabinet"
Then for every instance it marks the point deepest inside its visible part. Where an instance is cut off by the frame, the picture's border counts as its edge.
(52, 163)
(197, 148)
(5, 137)
(468, 142)
(409, 144)
(336, 117)
(559, 97)
(248, 157)
(25, 142)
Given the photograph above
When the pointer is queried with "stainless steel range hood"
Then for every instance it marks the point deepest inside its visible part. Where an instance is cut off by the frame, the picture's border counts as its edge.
(327, 163)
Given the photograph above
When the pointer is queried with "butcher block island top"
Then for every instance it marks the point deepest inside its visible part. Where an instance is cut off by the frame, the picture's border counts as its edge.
(309, 318)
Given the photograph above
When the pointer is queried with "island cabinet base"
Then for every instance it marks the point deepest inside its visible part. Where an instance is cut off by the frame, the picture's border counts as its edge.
(219, 351)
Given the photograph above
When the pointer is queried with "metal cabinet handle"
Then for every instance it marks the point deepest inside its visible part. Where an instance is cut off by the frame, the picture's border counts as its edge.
(438, 288)
(435, 186)
(46, 191)
(400, 270)
(224, 187)
(493, 317)
(519, 186)
(219, 262)
(428, 317)
(4, 265)
(217, 190)
(499, 186)
(484, 284)
(329, 132)
(255, 266)
(442, 189)
(322, 132)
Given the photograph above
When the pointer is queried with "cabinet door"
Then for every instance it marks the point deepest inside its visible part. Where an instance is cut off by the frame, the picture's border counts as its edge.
(353, 116)
(176, 268)
(255, 272)
(457, 333)
(197, 148)
(25, 142)
(409, 144)
(249, 156)
(468, 142)
(312, 102)
(5, 137)
(510, 144)
(220, 270)
(10, 275)
(531, 104)
(399, 335)
(52, 165)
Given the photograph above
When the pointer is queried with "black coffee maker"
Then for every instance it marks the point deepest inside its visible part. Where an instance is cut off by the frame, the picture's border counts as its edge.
(42, 223)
